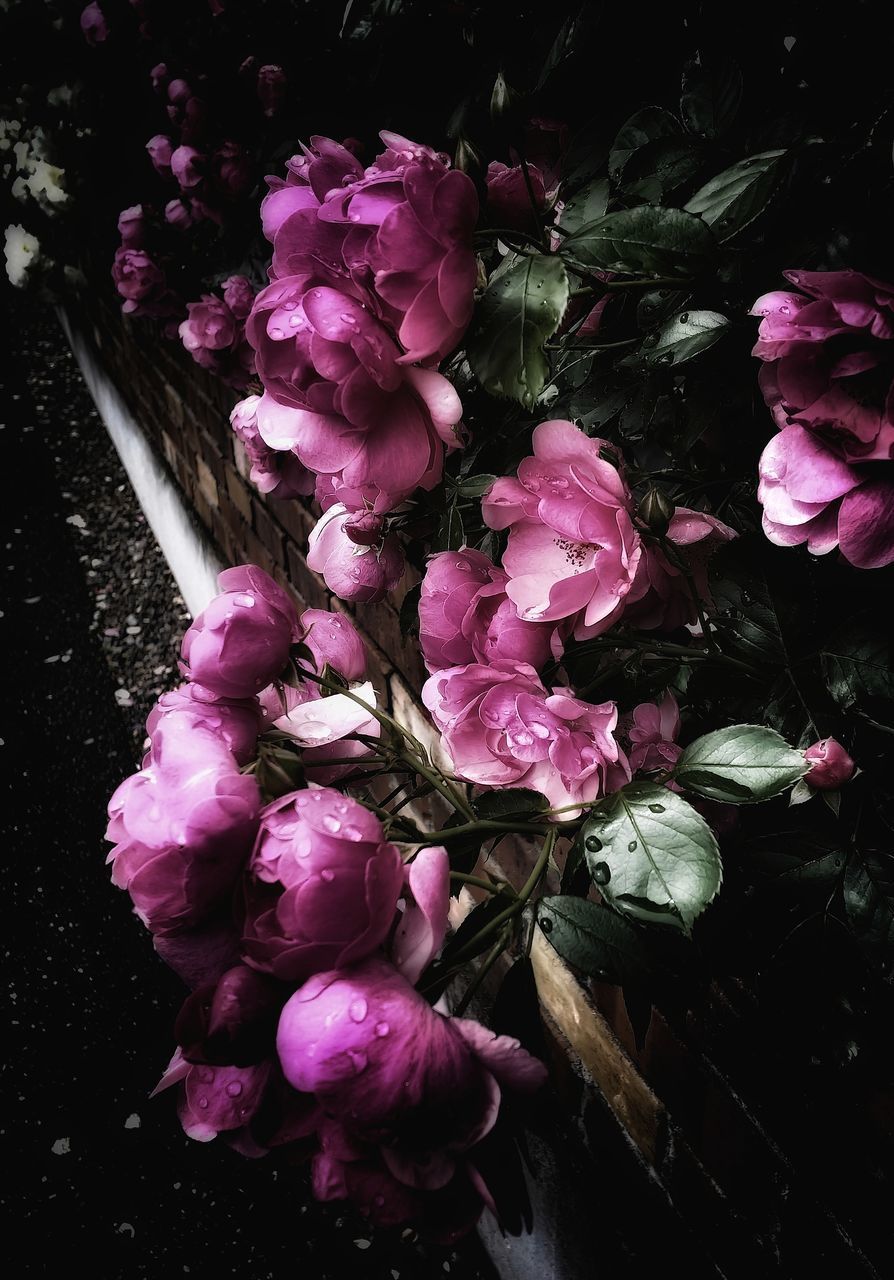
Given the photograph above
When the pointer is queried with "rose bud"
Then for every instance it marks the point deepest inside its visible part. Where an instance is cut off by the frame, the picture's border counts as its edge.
(272, 86)
(831, 765)
(350, 571)
(233, 1021)
(132, 227)
(333, 640)
(160, 152)
(93, 25)
(656, 511)
(186, 166)
(178, 214)
(365, 528)
(241, 641)
(322, 887)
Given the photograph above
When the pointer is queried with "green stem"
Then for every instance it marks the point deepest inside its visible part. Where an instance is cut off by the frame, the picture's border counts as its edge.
(479, 883)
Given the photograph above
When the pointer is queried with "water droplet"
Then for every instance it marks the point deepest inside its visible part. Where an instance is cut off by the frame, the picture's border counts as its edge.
(294, 321)
(276, 333)
(631, 848)
(656, 808)
(331, 823)
(382, 1029)
(203, 1103)
(684, 318)
(592, 844)
(521, 738)
(327, 874)
(234, 1088)
(358, 1009)
(353, 833)
(546, 924)
(540, 730)
(315, 731)
(602, 873)
(244, 600)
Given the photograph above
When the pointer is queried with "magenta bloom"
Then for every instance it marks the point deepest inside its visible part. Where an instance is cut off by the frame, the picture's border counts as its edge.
(465, 615)
(660, 596)
(810, 494)
(179, 214)
(239, 294)
(188, 167)
(653, 733)
(397, 1076)
(215, 338)
(142, 284)
(502, 728)
(817, 350)
(132, 227)
(362, 416)
(182, 827)
(272, 85)
(323, 166)
(323, 885)
(275, 472)
(241, 641)
(334, 641)
(93, 24)
(508, 201)
(831, 765)
(573, 551)
(236, 721)
(160, 153)
(352, 570)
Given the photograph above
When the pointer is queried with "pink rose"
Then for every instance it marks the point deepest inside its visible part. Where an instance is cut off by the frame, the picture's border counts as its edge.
(653, 733)
(159, 77)
(351, 570)
(238, 294)
(660, 597)
(236, 721)
(465, 615)
(188, 167)
(322, 888)
(573, 551)
(815, 350)
(810, 494)
(831, 765)
(502, 728)
(322, 166)
(142, 284)
(230, 170)
(359, 414)
(412, 1093)
(161, 152)
(241, 641)
(179, 92)
(278, 473)
(179, 214)
(215, 338)
(132, 227)
(334, 641)
(93, 24)
(182, 827)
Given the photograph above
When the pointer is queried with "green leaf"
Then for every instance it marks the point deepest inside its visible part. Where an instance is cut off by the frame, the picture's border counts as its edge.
(587, 206)
(869, 902)
(644, 241)
(512, 802)
(682, 337)
(742, 764)
(731, 201)
(521, 308)
(409, 611)
(857, 666)
(793, 858)
(660, 167)
(652, 855)
(475, 486)
(452, 534)
(711, 96)
(600, 942)
(643, 126)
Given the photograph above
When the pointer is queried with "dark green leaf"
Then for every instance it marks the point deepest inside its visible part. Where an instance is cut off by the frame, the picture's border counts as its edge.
(594, 939)
(857, 665)
(587, 206)
(659, 167)
(793, 858)
(513, 802)
(711, 96)
(521, 308)
(642, 127)
(658, 305)
(682, 337)
(644, 241)
(731, 201)
(452, 532)
(652, 855)
(869, 902)
(475, 486)
(741, 764)
(409, 611)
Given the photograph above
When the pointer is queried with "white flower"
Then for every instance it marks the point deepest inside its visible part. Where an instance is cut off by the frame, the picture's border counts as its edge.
(22, 252)
(46, 184)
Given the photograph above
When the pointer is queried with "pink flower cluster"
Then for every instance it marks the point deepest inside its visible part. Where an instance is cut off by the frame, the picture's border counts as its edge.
(301, 930)
(372, 284)
(214, 332)
(828, 378)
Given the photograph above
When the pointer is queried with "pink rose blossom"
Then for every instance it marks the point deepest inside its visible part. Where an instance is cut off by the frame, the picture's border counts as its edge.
(323, 166)
(188, 167)
(351, 570)
(810, 494)
(573, 551)
(179, 92)
(334, 641)
(831, 765)
(653, 733)
(278, 473)
(93, 24)
(236, 721)
(502, 728)
(412, 1093)
(132, 227)
(241, 641)
(179, 214)
(322, 888)
(161, 152)
(159, 77)
(215, 338)
(465, 615)
(238, 294)
(182, 827)
(142, 284)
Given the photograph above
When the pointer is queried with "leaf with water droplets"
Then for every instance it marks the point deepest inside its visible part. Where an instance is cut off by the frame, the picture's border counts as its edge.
(732, 200)
(662, 859)
(594, 939)
(741, 764)
(682, 337)
(585, 207)
(644, 241)
(521, 308)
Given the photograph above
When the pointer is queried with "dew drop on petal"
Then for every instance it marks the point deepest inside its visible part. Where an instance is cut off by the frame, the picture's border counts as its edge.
(358, 1009)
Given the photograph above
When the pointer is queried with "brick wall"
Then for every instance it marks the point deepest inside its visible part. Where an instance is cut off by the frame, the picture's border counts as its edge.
(720, 1176)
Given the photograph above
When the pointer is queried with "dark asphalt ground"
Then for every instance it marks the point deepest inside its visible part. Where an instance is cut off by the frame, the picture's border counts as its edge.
(99, 1176)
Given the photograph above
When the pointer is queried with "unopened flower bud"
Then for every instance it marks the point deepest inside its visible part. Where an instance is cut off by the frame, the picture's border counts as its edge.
(364, 528)
(656, 511)
(831, 765)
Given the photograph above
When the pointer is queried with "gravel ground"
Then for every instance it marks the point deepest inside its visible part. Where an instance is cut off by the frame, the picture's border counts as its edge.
(91, 623)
